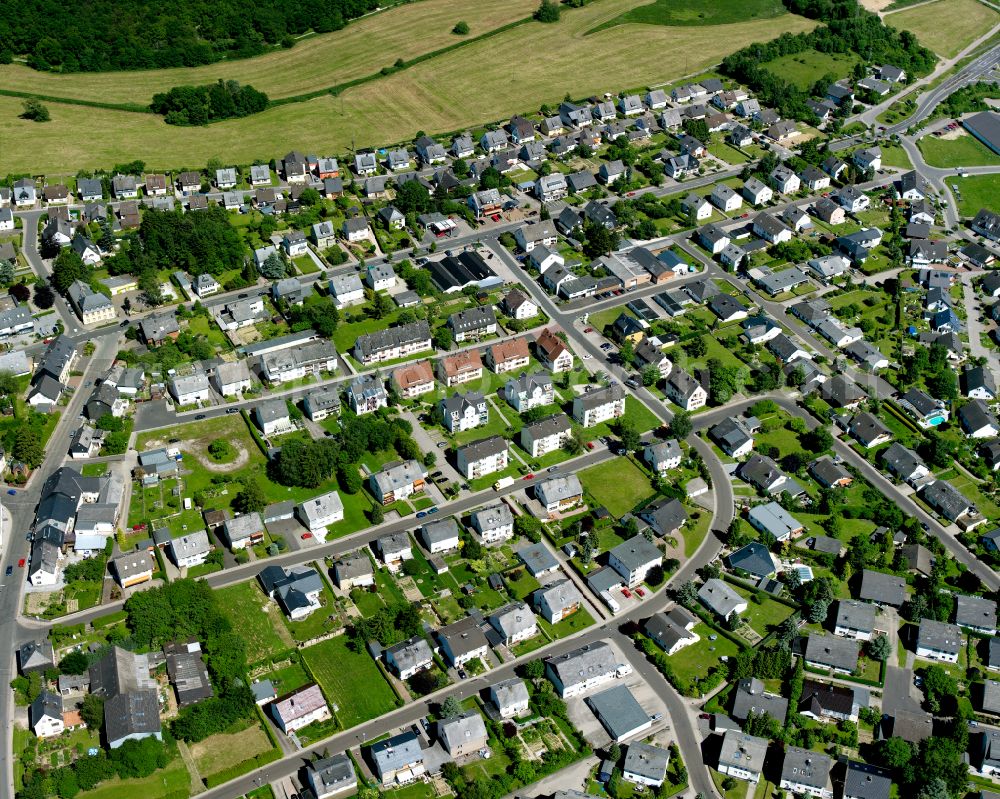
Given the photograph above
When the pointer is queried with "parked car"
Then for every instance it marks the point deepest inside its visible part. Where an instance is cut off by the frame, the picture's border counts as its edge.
(306, 536)
(421, 514)
(10, 571)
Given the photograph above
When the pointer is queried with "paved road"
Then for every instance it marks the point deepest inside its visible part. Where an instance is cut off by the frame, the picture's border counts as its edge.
(15, 546)
(411, 713)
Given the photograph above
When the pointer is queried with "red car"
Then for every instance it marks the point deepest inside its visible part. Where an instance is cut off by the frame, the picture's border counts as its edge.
(640, 592)
(306, 535)
(588, 330)
(590, 445)
(628, 594)
(528, 477)
(20, 563)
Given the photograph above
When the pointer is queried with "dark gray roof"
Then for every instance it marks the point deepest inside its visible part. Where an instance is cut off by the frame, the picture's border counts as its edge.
(833, 652)
(618, 711)
(753, 558)
(751, 698)
(805, 767)
(855, 615)
(884, 589)
(863, 781)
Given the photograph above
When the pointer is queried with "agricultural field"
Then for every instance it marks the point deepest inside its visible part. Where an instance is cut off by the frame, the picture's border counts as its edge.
(946, 26)
(350, 680)
(964, 150)
(445, 93)
(804, 69)
(317, 62)
(679, 13)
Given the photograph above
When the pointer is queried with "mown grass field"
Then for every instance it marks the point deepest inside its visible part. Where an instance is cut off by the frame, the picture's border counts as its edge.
(679, 12)
(224, 750)
(362, 48)
(946, 26)
(963, 151)
(351, 680)
(456, 90)
(617, 484)
(978, 191)
(804, 69)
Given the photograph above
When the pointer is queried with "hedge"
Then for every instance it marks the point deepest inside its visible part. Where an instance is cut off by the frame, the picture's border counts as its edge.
(240, 769)
(110, 619)
(253, 432)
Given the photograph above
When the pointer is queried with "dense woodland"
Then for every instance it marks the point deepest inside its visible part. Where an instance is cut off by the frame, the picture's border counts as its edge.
(141, 34)
(848, 29)
(199, 105)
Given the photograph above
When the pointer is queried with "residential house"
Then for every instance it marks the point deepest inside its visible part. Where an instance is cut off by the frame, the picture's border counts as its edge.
(633, 559)
(241, 532)
(439, 536)
(508, 355)
(854, 619)
(830, 653)
(806, 773)
(299, 709)
(483, 457)
(494, 524)
(462, 641)
(553, 354)
(559, 493)
(398, 481)
(742, 756)
(581, 670)
(685, 391)
(672, 630)
(514, 623)
(460, 368)
(599, 405)
(722, 600)
(663, 456)
(939, 641)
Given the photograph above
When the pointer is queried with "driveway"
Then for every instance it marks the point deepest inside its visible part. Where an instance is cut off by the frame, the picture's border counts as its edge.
(976, 329)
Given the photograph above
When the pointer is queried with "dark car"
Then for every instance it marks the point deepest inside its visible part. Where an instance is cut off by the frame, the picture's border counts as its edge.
(10, 571)
(232, 410)
(11, 491)
(199, 417)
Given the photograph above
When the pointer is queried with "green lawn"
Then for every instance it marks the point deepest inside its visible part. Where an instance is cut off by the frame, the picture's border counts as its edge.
(638, 414)
(173, 780)
(963, 151)
(694, 661)
(316, 623)
(764, 617)
(256, 618)
(351, 680)
(523, 585)
(675, 13)
(894, 155)
(618, 484)
(727, 153)
(288, 678)
(804, 69)
(977, 191)
(580, 620)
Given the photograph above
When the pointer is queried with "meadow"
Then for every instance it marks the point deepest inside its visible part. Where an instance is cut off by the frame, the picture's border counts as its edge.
(515, 71)
(946, 26)
(316, 62)
(680, 12)
(963, 151)
(804, 69)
